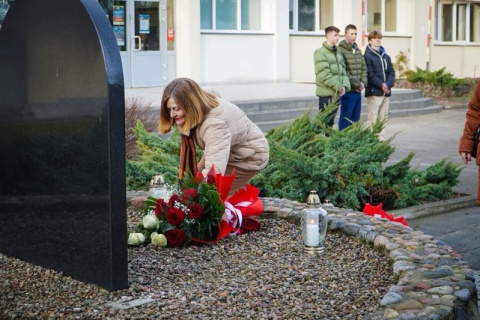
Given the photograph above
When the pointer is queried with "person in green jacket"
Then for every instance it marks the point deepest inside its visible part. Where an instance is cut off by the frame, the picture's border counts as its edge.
(351, 101)
(330, 71)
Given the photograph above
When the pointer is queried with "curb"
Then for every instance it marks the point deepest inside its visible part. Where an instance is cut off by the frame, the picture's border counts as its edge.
(438, 207)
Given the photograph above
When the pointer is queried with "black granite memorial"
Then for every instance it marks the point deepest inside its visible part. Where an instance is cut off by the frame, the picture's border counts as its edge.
(62, 146)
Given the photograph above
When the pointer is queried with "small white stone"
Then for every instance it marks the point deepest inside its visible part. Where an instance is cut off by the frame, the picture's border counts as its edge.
(380, 241)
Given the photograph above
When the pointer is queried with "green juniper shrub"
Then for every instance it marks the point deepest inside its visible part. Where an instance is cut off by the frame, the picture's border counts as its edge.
(440, 78)
(434, 183)
(156, 155)
(386, 193)
(346, 167)
(307, 155)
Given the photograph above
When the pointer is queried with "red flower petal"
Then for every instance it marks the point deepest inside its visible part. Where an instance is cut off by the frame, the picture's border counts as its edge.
(175, 216)
(160, 207)
(195, 211)
(174, 198)
(189, 195)
(175, 237)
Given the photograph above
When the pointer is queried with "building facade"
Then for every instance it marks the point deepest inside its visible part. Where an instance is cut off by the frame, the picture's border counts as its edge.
(248, 41)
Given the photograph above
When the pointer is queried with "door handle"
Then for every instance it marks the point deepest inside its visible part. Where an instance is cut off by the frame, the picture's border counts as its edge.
(135, 48)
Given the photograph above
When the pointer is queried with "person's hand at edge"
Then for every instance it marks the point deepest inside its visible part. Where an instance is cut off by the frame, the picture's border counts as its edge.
(466, 157)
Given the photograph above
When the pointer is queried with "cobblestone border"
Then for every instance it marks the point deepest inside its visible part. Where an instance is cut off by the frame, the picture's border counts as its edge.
(434, 282)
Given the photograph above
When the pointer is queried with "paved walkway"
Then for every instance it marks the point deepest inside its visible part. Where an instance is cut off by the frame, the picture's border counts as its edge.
(459, 229)
(241, 92)
(432, 137)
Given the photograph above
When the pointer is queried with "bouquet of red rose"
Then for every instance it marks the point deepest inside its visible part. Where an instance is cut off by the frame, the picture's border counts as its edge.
(200, 212)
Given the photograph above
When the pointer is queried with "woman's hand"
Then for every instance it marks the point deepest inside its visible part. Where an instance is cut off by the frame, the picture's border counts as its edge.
(466, 157)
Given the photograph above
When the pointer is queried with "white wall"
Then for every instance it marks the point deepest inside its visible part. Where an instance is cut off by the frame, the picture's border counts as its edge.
(461, 61)
(281, 42)
(301, 57)
(420, 26)
(187, 39)
(239, 58)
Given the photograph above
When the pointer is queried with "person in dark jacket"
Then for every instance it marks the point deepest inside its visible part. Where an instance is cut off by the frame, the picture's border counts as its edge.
(381, 78)
(330, 75)
(351, 101)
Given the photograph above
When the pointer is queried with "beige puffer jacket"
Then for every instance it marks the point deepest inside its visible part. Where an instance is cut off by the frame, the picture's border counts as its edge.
(228, 137)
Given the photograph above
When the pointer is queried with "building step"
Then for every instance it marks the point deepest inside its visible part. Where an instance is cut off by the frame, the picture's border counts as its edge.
(267, 120)
(400, 95)
(285, 111)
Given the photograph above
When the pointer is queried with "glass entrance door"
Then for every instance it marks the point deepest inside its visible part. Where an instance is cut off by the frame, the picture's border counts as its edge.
(140, 28)
(148, 44)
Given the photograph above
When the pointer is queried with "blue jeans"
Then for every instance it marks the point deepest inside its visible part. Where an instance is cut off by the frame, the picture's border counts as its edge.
(350, 107)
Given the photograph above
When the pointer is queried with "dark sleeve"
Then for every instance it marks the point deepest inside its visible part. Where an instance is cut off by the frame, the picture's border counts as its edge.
(390, 74)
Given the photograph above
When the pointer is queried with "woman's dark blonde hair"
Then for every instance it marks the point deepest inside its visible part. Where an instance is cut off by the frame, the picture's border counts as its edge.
(191, 99)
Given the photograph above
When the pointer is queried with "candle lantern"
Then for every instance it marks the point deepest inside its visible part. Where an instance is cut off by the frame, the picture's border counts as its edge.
(327, 204)
(314, 223)
(158, 188)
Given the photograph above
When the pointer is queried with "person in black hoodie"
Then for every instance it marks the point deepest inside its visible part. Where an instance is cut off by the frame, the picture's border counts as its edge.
(381, 78)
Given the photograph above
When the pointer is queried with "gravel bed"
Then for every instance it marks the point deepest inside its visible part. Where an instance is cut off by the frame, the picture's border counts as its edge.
(258, 275)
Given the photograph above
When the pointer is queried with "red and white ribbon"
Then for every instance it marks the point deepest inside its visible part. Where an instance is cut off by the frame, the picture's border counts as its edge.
(234, 215)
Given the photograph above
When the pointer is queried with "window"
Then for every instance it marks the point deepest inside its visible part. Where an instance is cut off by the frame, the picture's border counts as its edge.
(230, 14)
(474, 25)
(458, 21)
(206, 21)
(310, 15)
(381, 15)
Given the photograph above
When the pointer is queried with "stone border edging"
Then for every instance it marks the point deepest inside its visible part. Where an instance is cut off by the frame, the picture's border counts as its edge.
(434, 282)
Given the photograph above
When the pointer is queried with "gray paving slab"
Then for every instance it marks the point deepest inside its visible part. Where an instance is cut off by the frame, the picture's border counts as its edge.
(459, 229)
(432, 137)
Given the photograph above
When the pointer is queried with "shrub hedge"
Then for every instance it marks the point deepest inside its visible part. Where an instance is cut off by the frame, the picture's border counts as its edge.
(346, 167)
